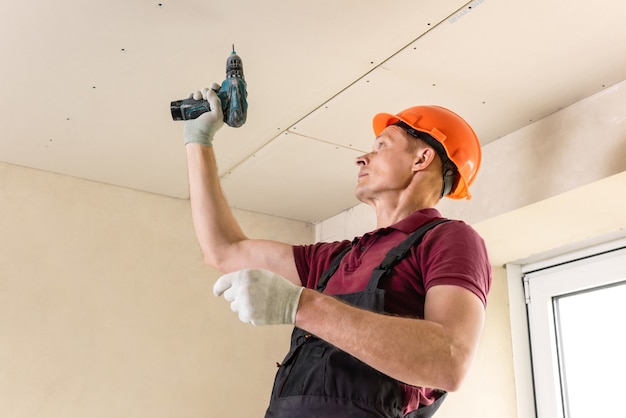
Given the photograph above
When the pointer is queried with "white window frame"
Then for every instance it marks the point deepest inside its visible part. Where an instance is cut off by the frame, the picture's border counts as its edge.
(538, 390)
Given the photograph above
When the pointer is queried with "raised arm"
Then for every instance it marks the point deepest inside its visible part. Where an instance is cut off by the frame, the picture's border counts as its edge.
(223, 243)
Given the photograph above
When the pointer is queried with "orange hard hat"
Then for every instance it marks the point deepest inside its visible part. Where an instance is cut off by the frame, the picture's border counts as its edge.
(449, 130)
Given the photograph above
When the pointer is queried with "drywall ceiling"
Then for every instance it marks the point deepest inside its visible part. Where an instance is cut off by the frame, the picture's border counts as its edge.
(86, 85)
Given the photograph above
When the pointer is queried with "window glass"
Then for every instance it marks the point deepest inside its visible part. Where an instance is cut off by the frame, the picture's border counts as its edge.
(591, 340)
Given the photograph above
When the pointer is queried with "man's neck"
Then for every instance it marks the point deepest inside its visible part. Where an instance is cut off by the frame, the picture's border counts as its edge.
(389, 212)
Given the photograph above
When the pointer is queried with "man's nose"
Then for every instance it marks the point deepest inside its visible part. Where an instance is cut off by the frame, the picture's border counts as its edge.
(362, 160)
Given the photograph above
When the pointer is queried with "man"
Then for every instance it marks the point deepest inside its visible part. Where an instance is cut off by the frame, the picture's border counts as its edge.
(385, 344)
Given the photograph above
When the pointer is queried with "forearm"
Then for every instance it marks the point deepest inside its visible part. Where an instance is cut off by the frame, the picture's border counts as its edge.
(216, 228)
(413, 351)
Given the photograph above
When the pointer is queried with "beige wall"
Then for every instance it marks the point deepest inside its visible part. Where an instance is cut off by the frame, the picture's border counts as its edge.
(106, 308)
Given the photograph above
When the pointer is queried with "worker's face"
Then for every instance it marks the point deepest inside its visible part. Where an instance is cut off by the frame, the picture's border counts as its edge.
(388, 168)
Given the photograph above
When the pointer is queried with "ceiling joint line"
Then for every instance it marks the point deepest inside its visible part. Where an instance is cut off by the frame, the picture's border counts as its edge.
(324, 103)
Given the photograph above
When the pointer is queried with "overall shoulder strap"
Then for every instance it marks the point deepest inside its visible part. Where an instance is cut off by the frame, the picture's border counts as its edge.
(398, 252)
(321, 284)
(392, 258)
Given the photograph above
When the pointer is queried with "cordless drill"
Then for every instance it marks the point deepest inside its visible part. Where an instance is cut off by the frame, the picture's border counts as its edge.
(232, 94)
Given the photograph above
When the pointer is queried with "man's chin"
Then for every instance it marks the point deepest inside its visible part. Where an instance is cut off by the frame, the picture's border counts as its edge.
(361, 194)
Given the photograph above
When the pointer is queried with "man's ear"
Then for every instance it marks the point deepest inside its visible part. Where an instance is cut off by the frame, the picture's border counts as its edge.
(423, 158)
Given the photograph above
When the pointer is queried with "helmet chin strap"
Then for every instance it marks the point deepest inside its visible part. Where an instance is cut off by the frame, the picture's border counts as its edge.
(449, 171)
(449, 177)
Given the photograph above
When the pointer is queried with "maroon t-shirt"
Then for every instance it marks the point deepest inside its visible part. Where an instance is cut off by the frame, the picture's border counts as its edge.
(450, 254)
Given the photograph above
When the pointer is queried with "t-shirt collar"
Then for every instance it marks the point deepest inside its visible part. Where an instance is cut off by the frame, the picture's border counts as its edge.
(415, 220)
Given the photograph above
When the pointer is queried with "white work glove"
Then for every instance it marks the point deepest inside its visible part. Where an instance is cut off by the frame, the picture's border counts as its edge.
(260, 297)
(202, 129)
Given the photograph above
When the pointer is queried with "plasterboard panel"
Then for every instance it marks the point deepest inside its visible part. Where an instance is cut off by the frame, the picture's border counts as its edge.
(489, 69)
(347, 119)
(87, 85)
(296, 178)
(99, 76)
(307, 65)
(408, 78)
(514, 61)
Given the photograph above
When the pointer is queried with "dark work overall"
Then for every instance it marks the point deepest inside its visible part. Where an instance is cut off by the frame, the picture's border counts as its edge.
(316, 379)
